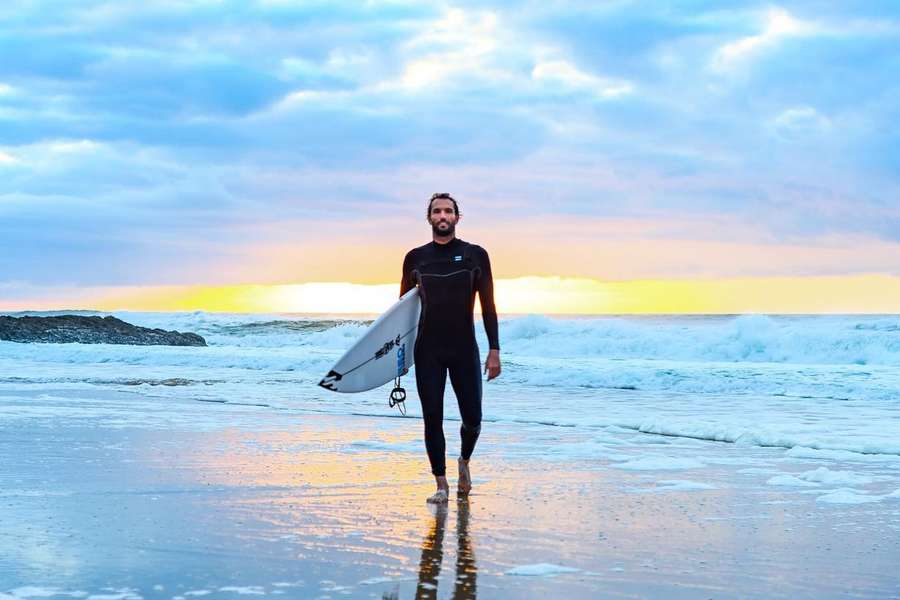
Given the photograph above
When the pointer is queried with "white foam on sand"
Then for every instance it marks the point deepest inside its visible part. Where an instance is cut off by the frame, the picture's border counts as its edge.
(327, 585)
(673, 485)
(848, 496)
(824, 475)
(789, 480)
(247, 590)
(376, 580)
(540, 570)
(659, 463)
(380, 580)
(289, 584)
(31, 591)
(827, 476)
(32, 493)
(117, 594)
(842, 455)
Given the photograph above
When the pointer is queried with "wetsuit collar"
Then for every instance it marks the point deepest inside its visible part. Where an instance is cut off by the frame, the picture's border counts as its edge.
(452, 243)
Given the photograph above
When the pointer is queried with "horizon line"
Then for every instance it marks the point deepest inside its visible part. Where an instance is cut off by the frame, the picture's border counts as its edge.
(862, 294)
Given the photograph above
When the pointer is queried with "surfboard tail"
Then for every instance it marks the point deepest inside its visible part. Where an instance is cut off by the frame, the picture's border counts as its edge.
(329, 380)
(383, 353)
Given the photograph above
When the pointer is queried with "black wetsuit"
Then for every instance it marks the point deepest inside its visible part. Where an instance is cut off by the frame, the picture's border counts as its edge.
(448, 275)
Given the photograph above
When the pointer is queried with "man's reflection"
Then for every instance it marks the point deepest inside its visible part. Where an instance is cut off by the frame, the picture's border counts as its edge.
(433, 554)
(466, 570)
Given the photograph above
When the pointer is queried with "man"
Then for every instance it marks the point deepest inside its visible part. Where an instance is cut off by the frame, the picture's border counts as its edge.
(448, 272)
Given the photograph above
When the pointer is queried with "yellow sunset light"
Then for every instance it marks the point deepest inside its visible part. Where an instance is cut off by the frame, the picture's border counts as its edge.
(546, 295)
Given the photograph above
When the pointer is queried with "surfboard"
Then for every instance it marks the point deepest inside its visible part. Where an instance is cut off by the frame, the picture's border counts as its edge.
(384, 352)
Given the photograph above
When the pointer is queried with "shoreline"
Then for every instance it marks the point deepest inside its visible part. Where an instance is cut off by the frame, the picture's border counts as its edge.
(219, 497)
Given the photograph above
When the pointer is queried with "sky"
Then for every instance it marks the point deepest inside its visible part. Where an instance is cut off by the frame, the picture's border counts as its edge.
(186, 155)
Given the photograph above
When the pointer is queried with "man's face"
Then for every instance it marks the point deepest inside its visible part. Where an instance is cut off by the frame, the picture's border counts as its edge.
(442, 217)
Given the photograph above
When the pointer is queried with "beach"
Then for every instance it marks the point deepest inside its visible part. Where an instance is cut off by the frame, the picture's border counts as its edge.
(223, 471)
(247, 501)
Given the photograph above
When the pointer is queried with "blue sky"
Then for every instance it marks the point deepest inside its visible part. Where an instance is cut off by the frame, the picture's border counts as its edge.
(250, 142)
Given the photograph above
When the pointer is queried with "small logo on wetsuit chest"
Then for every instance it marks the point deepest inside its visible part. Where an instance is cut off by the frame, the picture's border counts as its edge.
(457, 259)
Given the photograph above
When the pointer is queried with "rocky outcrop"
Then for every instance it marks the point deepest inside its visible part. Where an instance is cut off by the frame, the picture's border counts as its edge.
(90, 330)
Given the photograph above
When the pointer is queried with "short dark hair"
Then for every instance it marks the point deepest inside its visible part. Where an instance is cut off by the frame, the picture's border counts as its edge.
(441, 196)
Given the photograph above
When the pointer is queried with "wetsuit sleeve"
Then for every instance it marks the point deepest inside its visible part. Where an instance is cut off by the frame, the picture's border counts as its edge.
(406, 281)
(486, 296)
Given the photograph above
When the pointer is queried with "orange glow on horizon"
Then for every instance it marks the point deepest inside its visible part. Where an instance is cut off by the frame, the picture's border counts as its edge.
(545, 295)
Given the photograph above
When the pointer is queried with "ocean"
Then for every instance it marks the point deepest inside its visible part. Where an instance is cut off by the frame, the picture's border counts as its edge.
(826, 385)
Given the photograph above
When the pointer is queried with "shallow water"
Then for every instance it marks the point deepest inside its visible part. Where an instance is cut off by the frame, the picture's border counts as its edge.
(826, 382)
(623, 457)
(107, 495)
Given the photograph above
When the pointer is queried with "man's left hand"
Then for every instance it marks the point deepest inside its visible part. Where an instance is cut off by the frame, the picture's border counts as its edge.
(492, 364)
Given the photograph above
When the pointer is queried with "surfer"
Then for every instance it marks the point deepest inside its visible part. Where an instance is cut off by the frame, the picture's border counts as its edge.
(449, 272)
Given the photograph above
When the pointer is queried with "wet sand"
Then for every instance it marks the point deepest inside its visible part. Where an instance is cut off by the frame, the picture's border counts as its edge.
(113, 496)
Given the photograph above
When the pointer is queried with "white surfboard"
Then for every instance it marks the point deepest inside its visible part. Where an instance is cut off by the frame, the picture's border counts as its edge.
(383, 353)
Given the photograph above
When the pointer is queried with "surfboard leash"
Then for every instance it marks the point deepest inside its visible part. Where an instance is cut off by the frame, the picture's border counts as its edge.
(398, 397)
(398, 394)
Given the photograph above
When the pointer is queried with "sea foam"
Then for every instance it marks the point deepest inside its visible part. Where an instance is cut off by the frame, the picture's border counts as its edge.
(816, 384)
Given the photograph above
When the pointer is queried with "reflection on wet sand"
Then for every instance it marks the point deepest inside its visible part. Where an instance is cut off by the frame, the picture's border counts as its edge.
(433, 553)
(466, 569)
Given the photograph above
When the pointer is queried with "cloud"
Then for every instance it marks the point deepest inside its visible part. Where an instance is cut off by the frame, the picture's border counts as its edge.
(153, 140)
(799, 122)
(779, 25)
(459, 43)
(566, 75)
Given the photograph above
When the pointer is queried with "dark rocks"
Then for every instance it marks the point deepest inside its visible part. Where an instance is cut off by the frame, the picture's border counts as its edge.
(90, 330)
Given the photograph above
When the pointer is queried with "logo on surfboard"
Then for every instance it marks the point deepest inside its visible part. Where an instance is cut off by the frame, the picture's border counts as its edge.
(401, 360)
(329, 380)
(387, 347)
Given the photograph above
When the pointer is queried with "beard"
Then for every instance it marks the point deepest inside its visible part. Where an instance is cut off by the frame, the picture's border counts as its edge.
(449, 230)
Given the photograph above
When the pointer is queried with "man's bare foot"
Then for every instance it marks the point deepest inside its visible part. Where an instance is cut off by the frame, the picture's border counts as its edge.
(464, 486)
(442, 494)
(439, 497)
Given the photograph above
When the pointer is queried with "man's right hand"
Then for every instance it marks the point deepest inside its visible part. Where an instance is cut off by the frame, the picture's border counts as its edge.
(492, 364)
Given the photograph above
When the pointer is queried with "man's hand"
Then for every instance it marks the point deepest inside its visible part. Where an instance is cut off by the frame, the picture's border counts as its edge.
(492, 364)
